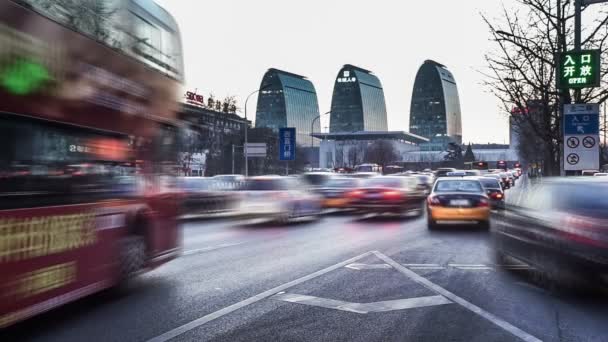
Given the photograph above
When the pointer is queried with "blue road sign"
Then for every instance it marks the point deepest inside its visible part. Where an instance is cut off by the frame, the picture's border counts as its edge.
(287, 144)
(581, 124)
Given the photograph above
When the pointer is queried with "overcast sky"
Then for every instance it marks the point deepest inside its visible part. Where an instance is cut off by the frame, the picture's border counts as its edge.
(229, 44)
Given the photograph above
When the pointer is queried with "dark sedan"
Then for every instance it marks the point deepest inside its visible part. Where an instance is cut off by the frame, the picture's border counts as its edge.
(398, 195)
(494, 191)
(560, 228)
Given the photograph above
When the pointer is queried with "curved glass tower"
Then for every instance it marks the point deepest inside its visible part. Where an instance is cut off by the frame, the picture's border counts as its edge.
(288, 100)
(435, 110)
(358, 102)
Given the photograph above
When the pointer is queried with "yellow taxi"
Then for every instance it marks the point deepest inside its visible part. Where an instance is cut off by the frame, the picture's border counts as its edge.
(458, 201)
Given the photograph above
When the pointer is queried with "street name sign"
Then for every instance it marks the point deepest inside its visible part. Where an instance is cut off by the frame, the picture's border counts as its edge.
(256, 150)
(581, 137)
(579, 69)
(287, 144)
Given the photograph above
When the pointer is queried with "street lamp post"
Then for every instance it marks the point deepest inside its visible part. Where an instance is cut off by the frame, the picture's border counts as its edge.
(247, 128)
(312, 127)
(312, 130)
(578, 28)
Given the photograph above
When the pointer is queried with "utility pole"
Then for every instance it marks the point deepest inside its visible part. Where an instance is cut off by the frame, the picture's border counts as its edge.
(247, 128)
(232, 158)
(312, 130)
(578, 26)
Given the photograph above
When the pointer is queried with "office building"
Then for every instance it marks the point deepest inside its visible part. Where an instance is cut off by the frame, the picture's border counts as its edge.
(288, 100)
(435, 109)
(358, 102)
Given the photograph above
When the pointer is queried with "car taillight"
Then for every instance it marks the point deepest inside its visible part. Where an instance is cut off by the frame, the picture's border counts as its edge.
(355, 194)
(497, 195)
(483, 203)
(434, 201)
(391, 194)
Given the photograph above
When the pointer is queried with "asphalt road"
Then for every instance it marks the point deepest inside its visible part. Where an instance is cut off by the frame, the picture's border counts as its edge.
(336, 279)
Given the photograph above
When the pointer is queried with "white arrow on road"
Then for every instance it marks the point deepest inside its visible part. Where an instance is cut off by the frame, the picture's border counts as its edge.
(363, 308)
(360, 267)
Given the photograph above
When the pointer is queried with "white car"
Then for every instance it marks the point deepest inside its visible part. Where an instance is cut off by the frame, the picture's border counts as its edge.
(280, 199)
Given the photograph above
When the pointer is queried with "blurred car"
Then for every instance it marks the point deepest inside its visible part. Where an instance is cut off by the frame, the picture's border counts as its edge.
(511, 177)
(600, 174)
(559, 228)
(516, 173)
(364, 175)
(473, 172)
(368, 168)
(442, 172)
(505, 180)
(456, 200)
(388, 194)
(589, 172)
(456, 174)
(229, 182)
(335, 191)
(498, 177)
(280, 199)
(317, 179)
(202, 196)
(494, 191)
(425, 183)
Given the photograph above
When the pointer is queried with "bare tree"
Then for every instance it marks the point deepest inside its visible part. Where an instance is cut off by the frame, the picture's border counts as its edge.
(381, 152)
(355, 155)
(522, 67)
(229, 104)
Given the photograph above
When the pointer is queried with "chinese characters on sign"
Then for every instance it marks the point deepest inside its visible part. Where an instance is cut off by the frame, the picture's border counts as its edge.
(579, 69)
(287, 144)
(581, 135)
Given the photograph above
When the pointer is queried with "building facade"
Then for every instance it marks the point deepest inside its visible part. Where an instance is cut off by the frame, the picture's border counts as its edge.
(346, 149)
(435, 108)
(206, 141)
(358, 102)
(288, 100)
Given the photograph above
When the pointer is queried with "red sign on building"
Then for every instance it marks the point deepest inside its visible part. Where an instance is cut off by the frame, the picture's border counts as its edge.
(195, 99)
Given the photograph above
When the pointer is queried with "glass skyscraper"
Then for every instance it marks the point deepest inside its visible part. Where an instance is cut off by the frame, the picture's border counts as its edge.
(288, 100)
(358, 102)
(435, 110)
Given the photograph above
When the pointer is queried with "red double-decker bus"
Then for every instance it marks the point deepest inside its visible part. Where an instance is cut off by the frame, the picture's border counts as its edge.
(88, 102)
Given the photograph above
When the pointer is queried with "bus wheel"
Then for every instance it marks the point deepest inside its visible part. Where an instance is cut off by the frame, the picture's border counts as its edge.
(132, 256)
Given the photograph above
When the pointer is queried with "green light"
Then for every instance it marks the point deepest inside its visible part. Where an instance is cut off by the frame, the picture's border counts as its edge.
(24, 77)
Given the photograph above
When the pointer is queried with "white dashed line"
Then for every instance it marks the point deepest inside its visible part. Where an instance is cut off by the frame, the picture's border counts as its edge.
(475, 268)
(467, 265)
(421, 265)
(209, 249)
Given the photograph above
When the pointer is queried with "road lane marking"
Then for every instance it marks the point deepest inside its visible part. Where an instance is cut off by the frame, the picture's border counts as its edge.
(449, 295)
(427, 268)
(363, 308)
(360, 267)
(229, 309)
(210, 248)
(475, 268)
(421, 265)
(467, 265)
